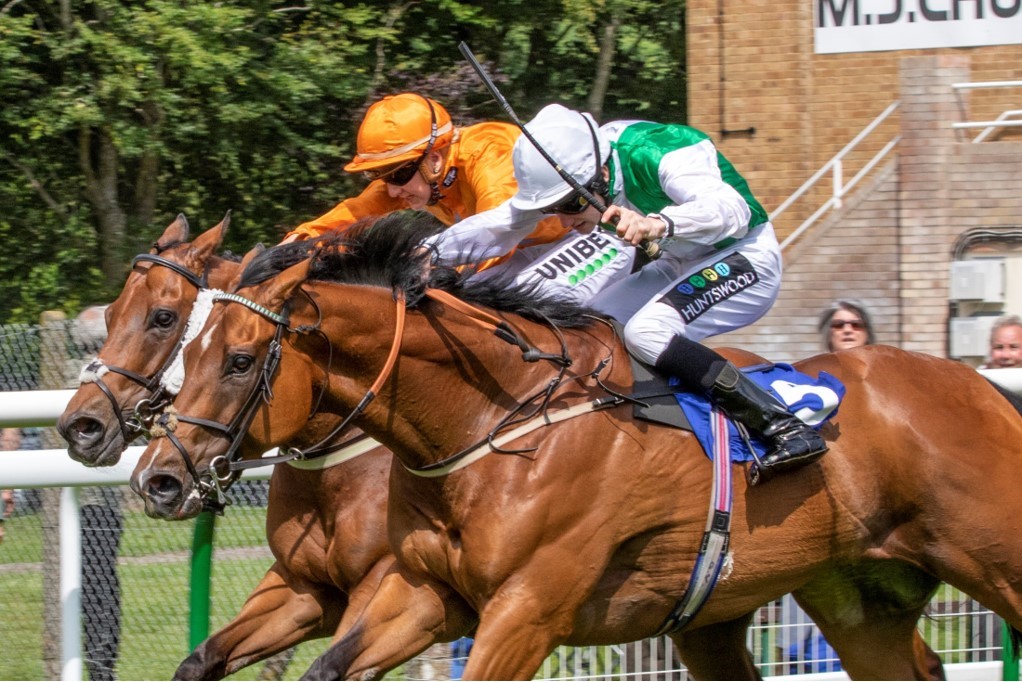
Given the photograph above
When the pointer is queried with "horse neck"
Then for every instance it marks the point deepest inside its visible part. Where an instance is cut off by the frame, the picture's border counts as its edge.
(454, 380)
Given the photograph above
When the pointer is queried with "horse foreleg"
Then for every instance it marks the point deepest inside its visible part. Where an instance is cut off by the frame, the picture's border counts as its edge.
(276, 616)
(718, 651)
(390, 620)
(512, 647)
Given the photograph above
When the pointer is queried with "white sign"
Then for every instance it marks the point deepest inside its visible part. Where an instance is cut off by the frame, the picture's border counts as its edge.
(873, 25)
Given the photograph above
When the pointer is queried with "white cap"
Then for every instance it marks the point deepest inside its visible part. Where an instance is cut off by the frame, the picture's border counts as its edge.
(567, 138)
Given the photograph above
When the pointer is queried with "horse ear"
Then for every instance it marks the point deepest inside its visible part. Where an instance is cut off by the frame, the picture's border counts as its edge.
(175, 233)
(278, 289)
(206, 244)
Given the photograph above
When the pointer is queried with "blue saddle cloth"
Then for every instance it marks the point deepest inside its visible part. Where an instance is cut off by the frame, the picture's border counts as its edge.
(814, 401)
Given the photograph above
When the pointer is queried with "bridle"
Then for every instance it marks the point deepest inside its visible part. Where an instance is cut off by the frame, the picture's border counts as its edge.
(225, 469)
(145, 410)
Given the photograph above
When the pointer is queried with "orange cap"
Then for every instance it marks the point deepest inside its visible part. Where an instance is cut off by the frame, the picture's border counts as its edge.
(400, 128)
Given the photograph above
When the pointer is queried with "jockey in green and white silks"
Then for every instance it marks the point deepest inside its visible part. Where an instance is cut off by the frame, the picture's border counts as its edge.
(720, 267)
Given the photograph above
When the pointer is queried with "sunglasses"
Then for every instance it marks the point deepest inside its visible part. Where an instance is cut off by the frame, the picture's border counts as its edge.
(399, 177)
(857, 325)
(573, 205)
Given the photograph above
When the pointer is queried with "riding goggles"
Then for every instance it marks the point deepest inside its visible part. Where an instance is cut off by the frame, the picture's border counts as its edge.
(399, 177)
(573, 205)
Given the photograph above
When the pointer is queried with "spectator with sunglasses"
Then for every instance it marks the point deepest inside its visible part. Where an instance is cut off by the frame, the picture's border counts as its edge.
(415, 157)
(720, 267)
(846, 324)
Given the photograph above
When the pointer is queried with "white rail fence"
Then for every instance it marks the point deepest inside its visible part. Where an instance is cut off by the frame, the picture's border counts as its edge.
(53, 468)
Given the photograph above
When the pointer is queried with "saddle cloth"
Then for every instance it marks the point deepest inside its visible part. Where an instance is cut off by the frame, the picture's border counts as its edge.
(814, 401)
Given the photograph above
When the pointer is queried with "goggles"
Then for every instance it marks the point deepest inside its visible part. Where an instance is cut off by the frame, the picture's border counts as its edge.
(573, 205)
(400, 176)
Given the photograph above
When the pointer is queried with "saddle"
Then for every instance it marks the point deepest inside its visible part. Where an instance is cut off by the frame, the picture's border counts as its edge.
(659, 399)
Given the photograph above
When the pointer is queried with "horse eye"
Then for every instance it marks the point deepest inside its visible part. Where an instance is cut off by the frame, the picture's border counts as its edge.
(164, 319)
(241, 364)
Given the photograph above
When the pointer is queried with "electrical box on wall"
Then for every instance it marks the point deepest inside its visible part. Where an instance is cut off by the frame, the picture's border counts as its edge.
(978, 280)
(970, 336)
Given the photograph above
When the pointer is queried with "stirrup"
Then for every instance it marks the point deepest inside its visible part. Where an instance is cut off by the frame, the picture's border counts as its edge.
(760, 472)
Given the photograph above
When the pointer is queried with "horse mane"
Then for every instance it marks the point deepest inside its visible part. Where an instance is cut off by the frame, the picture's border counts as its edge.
(387, 252)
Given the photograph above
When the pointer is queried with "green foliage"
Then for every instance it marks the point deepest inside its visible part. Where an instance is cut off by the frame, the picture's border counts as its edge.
(119, 115)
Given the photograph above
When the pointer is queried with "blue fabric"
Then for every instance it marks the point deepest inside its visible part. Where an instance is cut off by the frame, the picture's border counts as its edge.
(814, 655)
(460, 649)
(779, 380)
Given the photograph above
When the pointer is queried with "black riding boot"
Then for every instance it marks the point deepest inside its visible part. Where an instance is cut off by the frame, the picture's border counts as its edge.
(793, 443)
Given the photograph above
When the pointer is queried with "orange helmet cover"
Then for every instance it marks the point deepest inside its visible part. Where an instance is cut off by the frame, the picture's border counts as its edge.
(399, 128)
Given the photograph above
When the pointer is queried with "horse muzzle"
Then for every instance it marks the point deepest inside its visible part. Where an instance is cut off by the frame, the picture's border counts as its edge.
(91, 440)
(166, 496)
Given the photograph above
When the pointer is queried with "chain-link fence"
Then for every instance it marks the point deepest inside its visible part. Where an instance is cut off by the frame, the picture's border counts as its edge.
(135, 573)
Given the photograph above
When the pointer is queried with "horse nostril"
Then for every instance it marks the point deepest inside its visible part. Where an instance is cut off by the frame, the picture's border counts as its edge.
(86, 427)
(80, 429)
(163, 489)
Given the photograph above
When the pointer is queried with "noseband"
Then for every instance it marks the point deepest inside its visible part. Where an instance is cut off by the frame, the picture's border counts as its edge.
(145, 410)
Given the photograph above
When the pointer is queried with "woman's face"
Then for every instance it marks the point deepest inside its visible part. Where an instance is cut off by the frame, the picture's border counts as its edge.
(847, 330)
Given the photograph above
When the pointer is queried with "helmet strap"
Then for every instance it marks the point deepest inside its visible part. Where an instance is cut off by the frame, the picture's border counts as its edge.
(431, 171)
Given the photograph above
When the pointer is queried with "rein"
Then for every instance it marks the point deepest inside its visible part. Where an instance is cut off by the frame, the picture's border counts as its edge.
(536, 418)
(144, 412)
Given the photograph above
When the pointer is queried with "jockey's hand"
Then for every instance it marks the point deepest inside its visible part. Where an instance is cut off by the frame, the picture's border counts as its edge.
(634, 227)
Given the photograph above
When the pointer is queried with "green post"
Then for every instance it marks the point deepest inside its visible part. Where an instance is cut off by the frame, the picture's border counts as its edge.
(1009, 657)
(202, 563)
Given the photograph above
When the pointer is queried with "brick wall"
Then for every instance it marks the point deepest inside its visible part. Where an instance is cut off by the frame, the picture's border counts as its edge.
(752, 65)
(892, 242)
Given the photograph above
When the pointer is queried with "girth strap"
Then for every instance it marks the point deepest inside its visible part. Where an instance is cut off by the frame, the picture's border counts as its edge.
(713, 551)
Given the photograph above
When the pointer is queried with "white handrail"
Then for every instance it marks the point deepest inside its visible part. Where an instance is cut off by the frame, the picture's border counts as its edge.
(989, 126)
(987, 84)
(53, 468)
(840, 189)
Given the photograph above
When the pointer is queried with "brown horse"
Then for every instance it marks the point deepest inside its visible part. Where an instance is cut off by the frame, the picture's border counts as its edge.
(325, 527)
(585, 529)
(320, 523)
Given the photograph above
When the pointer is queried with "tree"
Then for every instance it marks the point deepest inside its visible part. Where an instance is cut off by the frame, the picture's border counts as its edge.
(118, 115)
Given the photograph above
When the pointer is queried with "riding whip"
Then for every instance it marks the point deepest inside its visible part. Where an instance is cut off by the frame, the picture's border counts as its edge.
(652, 249)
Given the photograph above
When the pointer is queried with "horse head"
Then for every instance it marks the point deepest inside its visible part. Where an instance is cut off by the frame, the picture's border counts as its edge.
(144, 325)
(228, 380)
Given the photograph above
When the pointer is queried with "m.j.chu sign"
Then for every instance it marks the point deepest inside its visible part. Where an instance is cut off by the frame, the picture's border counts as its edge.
(874, 25)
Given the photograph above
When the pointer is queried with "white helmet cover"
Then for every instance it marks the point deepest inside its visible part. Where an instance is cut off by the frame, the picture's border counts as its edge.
(567, 137)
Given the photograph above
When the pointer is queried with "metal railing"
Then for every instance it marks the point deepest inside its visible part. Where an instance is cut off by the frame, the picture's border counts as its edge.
(1007, 119)
(836, 167)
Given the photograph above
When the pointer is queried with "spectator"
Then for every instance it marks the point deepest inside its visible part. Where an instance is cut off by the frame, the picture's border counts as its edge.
(846, 324)
(1005, 343)
(10, 439)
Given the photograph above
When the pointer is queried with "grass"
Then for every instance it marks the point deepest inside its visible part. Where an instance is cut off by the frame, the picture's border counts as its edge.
(153, 571)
